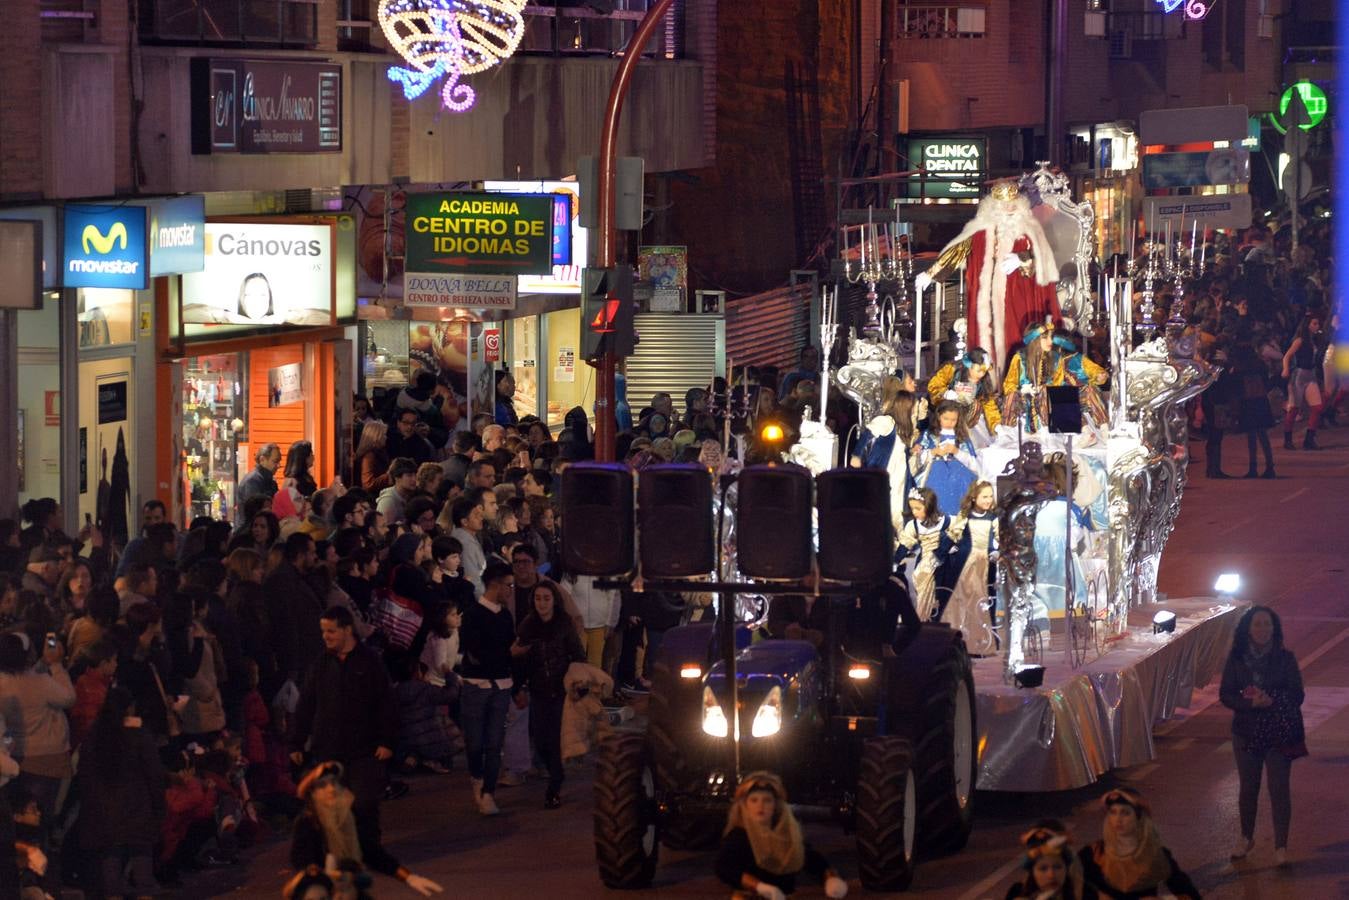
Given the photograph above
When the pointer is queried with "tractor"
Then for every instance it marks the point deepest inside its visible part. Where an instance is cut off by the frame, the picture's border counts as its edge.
(872, 726)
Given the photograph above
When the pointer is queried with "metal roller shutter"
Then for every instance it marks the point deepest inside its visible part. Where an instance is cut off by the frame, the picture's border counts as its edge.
(676, 352)
(769, 329)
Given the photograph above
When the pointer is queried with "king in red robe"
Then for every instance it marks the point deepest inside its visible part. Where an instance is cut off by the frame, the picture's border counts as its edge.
(1010, 273)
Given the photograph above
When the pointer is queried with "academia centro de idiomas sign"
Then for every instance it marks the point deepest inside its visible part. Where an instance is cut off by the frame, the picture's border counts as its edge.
(479, 234)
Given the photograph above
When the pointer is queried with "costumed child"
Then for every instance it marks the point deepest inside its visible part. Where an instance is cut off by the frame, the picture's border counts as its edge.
(888, 440)
(1129, 861)
(922, 536)
(947, 463)
(1046, 361)
(1052, 869)
(974, 537)
(763, 850)
(969, 381)
(328, 834)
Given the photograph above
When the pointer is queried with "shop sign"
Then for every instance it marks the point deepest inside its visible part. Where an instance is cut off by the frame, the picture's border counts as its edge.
(957, 166)
(105, 247)
(266, 106)
(1214, 211)
(463, 291)
(20, 264)
(177, 235)
(491, 345)
(262, 274)
(479, 233)
(283, 385)
(568, 237)
(1173, 170)
(51, 239)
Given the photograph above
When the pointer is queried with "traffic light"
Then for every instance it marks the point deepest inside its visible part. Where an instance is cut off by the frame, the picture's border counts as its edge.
(606, 312)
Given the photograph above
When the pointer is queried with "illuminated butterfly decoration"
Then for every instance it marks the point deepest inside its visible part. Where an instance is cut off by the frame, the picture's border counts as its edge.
(1194, 9)
(450, 39)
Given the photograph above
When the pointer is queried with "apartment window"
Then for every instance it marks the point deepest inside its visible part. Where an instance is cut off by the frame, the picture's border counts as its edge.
(286, 23)
(941, 20)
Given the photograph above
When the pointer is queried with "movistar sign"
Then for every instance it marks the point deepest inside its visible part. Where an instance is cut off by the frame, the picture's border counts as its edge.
(105, 247)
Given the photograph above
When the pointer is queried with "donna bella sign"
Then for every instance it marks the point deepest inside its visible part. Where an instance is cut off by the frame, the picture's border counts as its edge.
(960, 165)
(266, 106)
(465, 291)
(482, 234)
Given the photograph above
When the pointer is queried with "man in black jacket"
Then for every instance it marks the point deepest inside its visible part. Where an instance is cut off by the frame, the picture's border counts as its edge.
(261, 482)
(295, 634)
(347, 712)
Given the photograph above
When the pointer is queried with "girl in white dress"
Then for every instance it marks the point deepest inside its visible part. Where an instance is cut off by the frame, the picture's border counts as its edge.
(974, 536)
(922, 536)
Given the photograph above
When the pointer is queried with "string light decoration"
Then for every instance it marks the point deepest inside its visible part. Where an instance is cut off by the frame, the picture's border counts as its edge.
(1195, 10)
(450, 39)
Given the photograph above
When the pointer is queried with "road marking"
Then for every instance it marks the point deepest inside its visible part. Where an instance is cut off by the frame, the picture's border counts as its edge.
(992, 882)
(1242, 523)
(1293, 496)
(1322, 704)
(1306, 662)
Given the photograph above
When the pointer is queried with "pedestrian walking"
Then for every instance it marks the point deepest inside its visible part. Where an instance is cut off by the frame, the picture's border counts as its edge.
(485, 639)
(1262, 685)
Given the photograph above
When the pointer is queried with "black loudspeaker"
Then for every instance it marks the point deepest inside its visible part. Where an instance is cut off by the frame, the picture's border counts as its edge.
(674, 510)
(597, 519)
(773, 519)
(855, 530)
(1065, 410)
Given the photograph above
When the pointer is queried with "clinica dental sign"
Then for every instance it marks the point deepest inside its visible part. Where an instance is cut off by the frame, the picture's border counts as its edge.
(958, 165)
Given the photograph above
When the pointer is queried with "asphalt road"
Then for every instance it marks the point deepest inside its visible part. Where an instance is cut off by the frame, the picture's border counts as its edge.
(1288, 540)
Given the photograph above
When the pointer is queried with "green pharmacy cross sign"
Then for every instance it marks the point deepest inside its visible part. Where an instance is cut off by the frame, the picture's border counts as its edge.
(1313, 99)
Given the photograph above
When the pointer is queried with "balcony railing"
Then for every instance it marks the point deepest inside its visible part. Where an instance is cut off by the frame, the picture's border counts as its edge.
(281, 23)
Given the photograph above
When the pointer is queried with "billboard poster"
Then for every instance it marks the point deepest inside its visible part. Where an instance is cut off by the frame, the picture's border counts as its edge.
(442, 348)
(569, 239)
(667, 270)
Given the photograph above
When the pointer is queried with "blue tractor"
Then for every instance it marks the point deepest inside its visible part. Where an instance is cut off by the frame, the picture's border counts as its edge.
(872, 726)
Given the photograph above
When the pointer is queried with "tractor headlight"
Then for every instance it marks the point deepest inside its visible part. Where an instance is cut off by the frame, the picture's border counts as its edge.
(768, 720)
(714, 719)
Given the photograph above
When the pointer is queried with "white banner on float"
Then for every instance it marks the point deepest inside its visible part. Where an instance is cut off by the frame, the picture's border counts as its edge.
(1211, 211)
(436, 289)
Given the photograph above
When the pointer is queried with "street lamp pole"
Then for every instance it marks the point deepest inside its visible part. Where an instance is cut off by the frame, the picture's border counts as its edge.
(605, 247)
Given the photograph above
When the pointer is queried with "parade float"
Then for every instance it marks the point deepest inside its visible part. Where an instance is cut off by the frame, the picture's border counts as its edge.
(1091, 656)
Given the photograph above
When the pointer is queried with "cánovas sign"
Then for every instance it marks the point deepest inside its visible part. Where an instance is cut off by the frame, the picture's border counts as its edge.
(479, 233)
(266, 106)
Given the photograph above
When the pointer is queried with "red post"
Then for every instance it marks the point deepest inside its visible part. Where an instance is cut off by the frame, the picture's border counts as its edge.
(605, 400)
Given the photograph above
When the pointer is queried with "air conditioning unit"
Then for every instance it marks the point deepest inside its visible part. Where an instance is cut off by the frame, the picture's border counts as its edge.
(1264, 27)
(1121, 45)
(1094, 24)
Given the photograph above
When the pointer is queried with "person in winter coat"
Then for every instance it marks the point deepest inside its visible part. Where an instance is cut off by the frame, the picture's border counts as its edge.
(34, 702)
(332, 825)
(1129, 861)
(246, 602)
(122, 797)
(763, 850)
(198, 664)
(1262, 685)
(547, 644)
(295, 607)
(145, 669)
(423, 738)
(91, 689)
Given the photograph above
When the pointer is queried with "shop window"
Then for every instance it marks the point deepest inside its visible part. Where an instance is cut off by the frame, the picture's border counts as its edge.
(39, 389)
(386, 355)
(105, 317)
(524, 365)
(215, 417)
(570, 381)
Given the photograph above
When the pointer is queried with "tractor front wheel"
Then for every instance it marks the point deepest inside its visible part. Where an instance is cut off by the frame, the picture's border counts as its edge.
(887, 814)
(627, 843)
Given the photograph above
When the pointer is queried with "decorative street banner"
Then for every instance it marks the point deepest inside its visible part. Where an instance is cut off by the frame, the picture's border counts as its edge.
(453, 289)
(479, 233)
(266, 106)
